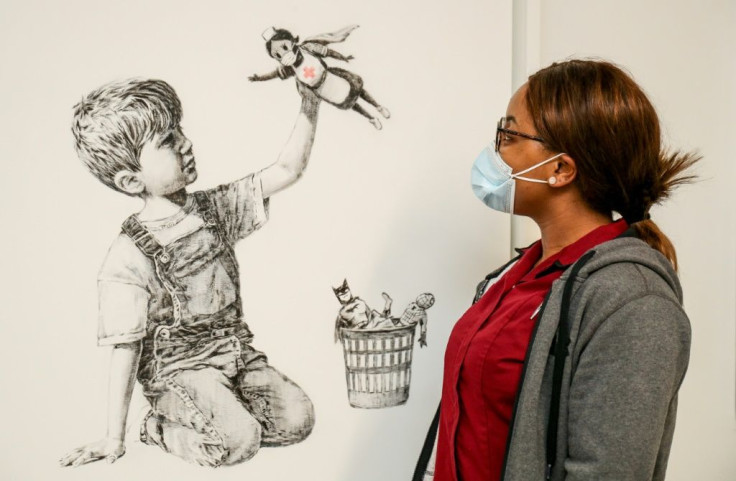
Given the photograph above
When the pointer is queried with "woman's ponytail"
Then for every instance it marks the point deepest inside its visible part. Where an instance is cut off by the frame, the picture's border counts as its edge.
(673, 169)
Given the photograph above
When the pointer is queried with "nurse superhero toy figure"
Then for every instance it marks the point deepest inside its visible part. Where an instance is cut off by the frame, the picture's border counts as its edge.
(304, 61)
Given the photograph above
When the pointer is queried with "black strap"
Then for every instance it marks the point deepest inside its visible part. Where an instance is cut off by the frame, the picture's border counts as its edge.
(561, 352)
(427, 448)
(480, 289)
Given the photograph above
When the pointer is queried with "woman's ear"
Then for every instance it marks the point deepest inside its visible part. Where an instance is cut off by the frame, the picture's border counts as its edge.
(565, 171)
(129, 182)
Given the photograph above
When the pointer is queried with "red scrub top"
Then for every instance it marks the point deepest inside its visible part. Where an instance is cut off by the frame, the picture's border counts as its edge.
(484, 358)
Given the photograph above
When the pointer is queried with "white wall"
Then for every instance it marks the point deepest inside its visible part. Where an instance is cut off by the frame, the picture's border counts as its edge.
(390, 210)
(406, 186)
(682, 53)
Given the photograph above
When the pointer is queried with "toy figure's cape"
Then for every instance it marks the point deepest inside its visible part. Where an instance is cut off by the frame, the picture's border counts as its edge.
(333, 37)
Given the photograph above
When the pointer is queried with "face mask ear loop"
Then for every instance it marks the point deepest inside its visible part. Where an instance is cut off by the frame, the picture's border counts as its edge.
(518, 174)
(538, 181)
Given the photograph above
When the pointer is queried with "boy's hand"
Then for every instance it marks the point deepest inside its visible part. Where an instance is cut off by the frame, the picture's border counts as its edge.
(107, 448)
(254, 78)
(310, 100)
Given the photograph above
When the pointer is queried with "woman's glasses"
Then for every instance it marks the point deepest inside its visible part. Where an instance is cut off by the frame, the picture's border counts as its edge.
(501, 130)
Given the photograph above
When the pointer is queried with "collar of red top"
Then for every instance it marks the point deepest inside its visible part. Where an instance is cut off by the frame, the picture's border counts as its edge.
(567, 256)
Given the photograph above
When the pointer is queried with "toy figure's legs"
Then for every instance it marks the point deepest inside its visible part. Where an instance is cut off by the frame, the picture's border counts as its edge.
(281, 407)
(376, 123)
(200, 418)
(368, 98)
(387, 304)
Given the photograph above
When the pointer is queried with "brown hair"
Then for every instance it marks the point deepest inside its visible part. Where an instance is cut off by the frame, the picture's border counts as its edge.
(112, 124)
(595, 112)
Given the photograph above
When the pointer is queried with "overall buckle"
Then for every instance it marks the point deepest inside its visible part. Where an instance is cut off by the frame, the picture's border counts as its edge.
(224, 332)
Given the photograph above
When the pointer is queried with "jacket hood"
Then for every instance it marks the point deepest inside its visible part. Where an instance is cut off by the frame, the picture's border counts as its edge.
(632, 249)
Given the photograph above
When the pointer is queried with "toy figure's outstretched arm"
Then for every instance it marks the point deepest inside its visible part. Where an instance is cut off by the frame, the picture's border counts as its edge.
(338, 55)
(292, 161)
(123, 368)
(266, 76)
(423, 329)
(282, 72)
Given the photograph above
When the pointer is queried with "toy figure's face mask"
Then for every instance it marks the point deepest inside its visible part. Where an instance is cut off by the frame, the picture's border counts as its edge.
(284, 51)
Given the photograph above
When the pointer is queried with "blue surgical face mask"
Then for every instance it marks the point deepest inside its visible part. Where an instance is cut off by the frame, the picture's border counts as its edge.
(494, 183)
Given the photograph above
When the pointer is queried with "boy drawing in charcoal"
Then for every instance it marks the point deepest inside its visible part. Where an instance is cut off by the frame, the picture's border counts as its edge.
(336, 86)
(169, 295)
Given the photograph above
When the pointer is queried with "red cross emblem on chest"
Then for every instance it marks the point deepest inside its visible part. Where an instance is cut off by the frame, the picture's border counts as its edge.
(308, 72)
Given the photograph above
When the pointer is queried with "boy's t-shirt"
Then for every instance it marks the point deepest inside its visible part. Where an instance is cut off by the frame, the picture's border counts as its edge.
(129, 289)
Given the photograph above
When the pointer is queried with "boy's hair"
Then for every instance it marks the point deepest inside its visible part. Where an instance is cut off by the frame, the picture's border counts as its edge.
(113, 123)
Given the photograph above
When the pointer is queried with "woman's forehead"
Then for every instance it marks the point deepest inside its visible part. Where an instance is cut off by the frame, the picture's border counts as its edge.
(517, 112)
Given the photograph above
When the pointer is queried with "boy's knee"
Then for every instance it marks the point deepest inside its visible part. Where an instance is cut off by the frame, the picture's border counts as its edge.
(302, 420)
(294, 425)
(242, 440)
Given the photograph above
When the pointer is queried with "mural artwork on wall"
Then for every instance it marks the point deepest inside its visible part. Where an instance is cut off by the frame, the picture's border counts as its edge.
(169, 288)
(378, 347)
(304, 61)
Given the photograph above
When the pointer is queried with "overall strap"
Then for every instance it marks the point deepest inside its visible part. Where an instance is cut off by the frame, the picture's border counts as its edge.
(143, 239)
(560, 348)
(207, 210)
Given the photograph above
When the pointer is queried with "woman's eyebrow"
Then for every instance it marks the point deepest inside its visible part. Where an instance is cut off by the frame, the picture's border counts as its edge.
(510, 118)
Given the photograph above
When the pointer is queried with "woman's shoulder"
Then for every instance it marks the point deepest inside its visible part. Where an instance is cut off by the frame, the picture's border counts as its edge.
(629, 268)
(627, 281)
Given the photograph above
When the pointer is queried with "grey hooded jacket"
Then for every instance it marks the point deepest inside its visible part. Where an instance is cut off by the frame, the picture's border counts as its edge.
(628, 353)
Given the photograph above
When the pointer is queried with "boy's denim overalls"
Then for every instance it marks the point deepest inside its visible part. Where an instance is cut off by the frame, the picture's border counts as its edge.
(215, 400)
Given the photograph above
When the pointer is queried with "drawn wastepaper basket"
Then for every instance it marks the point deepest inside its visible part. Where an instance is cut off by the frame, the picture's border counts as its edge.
(378, 365)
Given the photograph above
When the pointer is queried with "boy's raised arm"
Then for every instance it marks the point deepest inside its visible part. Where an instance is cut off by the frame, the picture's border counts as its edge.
(294, 157)
(123, 367)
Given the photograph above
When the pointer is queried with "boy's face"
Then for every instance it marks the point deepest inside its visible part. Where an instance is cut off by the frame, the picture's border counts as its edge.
(167, 163)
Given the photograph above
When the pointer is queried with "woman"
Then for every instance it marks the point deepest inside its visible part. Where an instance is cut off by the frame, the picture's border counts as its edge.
(568, 364)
